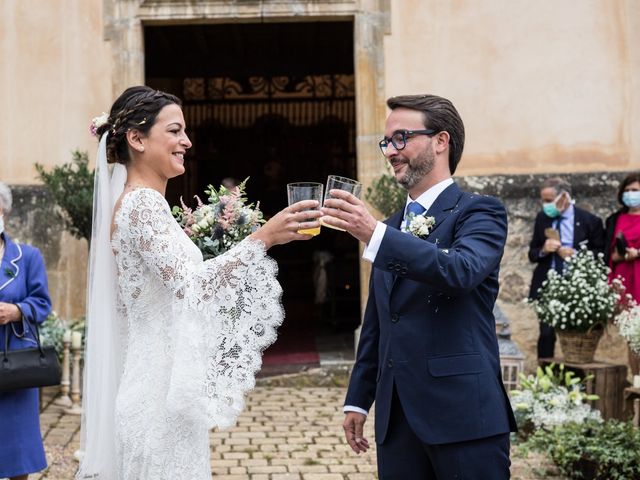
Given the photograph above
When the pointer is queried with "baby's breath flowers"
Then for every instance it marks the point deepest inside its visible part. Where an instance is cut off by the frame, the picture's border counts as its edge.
(628, 322)
(581, 298)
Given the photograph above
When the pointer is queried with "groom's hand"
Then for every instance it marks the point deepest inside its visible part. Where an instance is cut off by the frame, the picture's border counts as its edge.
(353, 426)
(348, 212)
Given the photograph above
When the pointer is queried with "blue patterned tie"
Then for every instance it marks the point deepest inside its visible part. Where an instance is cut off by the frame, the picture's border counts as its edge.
(416, 209)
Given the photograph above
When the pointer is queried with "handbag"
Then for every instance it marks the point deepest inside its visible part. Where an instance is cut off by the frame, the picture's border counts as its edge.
(29, 367)
(621, 244)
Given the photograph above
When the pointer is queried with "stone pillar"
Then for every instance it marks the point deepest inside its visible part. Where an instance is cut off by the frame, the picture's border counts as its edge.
(372, 22)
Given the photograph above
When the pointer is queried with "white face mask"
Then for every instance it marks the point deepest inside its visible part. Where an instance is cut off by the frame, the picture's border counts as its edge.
(1, 224)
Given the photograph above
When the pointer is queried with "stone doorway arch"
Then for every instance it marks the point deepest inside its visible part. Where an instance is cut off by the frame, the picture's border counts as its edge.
(123, 27)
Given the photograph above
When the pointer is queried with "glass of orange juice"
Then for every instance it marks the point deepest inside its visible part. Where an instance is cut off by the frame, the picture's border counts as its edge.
(298, 191)
(340, 183)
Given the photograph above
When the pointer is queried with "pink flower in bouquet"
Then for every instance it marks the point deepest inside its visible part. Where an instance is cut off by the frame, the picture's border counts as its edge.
(224, 221)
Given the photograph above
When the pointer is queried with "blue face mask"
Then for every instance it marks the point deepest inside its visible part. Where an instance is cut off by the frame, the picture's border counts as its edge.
(550, 209)
(631, 199)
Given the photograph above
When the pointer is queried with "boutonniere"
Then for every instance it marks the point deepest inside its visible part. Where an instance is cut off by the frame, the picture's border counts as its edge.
(420, 226)
(9, 273)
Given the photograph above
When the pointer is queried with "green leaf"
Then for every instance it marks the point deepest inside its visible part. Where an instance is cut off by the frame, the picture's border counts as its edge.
(70, 185)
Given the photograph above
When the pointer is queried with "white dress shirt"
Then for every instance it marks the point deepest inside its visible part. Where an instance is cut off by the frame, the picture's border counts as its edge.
(370, 252)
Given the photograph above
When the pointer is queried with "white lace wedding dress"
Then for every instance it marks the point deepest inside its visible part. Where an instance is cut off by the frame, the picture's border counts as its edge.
(193, 334)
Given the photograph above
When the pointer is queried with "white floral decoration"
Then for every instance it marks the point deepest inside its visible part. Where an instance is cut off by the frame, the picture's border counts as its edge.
(548, 399)
(582, 297)
(97, 122)
(419, 225)
(628, 322)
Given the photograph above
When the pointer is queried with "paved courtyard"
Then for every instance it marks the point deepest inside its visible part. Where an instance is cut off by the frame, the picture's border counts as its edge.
(285, 433)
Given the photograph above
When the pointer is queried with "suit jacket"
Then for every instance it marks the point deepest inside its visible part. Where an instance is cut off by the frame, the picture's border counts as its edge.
(429, 326)
(609, 229)
(587, 230)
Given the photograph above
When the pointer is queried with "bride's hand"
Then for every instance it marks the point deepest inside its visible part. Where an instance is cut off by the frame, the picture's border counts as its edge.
(283, 227)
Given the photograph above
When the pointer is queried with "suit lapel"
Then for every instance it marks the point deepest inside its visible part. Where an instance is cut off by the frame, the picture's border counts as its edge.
(444, 205)
(9, 263)
(578, 229)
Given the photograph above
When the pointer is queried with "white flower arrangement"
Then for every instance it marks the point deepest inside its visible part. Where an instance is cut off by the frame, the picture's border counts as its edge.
(628, 322)
(97, 122)
(419, 225)
(582, 297)
(549, 399)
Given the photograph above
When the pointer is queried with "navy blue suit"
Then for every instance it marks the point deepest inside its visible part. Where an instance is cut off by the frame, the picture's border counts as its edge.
(428, 339)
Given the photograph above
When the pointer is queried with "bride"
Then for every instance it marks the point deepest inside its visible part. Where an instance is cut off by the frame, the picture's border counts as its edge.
(173, 342)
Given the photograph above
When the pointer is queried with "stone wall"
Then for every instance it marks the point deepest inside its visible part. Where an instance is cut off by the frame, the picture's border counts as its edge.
(33, 221)
(595, 192)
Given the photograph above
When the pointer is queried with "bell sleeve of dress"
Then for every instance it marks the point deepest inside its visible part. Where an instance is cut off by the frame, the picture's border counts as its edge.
(226, 311)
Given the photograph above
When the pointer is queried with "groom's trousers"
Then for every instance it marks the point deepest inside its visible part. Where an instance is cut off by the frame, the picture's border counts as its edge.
(402, 456)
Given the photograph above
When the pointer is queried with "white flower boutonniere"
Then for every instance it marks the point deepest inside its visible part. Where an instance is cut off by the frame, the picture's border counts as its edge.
(420, 226)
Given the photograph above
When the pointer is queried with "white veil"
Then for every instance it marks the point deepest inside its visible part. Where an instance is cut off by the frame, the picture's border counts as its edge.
(103, 355)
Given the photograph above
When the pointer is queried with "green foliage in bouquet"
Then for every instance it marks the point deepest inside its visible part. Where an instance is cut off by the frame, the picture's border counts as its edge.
(553, 396)
(71, 187)
(223, 222)
(386, 195)
(592, 450)
(582, 297)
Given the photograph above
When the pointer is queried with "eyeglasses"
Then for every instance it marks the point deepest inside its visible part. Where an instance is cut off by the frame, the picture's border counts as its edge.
(399, 138)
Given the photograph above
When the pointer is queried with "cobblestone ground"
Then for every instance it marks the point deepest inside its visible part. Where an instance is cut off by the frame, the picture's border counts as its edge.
(285, 433)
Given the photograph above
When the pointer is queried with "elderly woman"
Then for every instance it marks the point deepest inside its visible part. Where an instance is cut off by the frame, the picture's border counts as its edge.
(24, 301)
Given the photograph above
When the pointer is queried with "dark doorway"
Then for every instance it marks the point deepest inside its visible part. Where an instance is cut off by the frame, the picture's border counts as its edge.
(274, 102)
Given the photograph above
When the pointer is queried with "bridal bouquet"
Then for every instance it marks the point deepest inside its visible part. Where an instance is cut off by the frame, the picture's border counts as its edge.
(221, 223)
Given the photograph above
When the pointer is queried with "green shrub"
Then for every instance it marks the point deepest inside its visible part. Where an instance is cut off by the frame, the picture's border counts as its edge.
(386, 195)
(71, 187)
(592, 450)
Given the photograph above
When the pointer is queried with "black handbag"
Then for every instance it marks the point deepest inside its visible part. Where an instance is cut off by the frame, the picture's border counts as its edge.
(621, 244)
(29, 367)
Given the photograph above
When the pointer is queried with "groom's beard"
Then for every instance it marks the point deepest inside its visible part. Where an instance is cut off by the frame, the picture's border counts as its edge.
(417, 169)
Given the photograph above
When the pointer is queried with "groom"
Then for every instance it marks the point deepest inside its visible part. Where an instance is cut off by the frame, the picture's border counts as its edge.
(428, 353)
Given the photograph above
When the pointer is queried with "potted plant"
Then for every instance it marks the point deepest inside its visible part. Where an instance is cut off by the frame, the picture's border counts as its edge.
(553, 396)
(592, 450)
(579, 303)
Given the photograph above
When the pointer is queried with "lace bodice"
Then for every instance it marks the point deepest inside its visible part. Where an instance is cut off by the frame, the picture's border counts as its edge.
(193, 332)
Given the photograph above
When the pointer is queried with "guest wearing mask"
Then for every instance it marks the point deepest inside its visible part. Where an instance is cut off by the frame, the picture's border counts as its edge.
(560, 229)
(623, 241)
(24, 301)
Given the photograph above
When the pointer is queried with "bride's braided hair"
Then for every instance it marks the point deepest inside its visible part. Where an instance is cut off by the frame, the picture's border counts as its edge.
(137, 108)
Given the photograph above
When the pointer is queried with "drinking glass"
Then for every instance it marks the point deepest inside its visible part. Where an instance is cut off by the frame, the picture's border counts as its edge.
(336, 182)
(298, 191)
